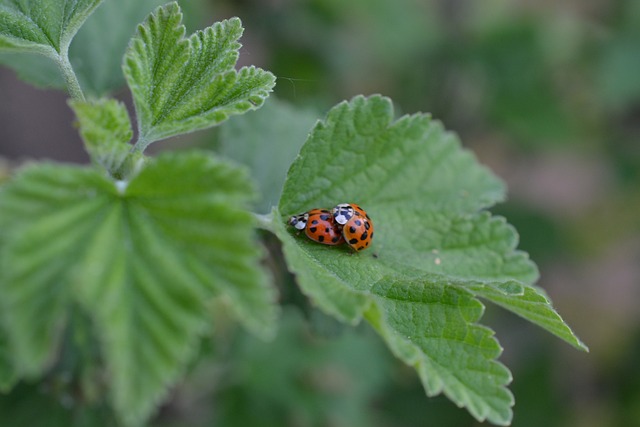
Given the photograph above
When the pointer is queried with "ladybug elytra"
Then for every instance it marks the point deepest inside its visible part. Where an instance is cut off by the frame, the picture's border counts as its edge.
(345, 223)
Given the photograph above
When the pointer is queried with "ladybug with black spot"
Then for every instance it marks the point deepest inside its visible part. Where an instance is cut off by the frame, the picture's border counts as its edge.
(357, 227)
(345, 223)
(318, 225)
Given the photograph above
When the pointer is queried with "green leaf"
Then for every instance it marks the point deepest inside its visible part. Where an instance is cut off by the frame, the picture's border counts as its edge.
(415, 160)
(326, 285)
(201, 206)
(267, 141)
(532, 304)
(143, 261)
(106, 131)
(42, 26)
(96, 53)
(425, 195)
(431, 326)
(180, 84)
(46, 213)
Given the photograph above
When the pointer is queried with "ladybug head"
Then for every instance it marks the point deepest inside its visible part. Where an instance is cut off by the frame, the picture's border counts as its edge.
(299, 222)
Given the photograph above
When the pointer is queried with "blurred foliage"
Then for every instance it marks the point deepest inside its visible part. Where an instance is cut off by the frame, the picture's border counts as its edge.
(524, 84)
(267, 141)
(303, 378)
(549, 96)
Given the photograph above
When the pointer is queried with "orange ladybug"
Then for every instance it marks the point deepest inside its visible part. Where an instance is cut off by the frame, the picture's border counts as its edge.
(345, 223)
(319, 226)
(357, 227)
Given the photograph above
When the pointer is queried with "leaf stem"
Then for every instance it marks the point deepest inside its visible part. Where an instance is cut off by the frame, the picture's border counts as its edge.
(70, 78)
(265, 221)
(140, 145)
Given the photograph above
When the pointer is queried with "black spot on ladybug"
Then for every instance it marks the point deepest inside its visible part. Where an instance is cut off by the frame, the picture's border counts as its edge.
(367, 225)
(358, 222)
(314, 222)
(313, 229)
(367, 215)
(327, 230)
(353, 241)
(335, 239)
(352, 229)
(364, 236)
(360, 248)
(324, 211)
(372, 234)
(321, 238)
(325, 217)
(366, 243)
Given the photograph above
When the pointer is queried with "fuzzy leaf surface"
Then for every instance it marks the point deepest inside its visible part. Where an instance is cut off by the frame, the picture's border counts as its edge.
(432, 326)
(106, 131)
(42, 26)
(425, 195)
(144, 262)
(111, 27)
(108, 29)
(180, 84)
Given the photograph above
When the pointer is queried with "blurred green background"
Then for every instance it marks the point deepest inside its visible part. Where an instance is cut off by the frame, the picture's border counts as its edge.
(545, 93)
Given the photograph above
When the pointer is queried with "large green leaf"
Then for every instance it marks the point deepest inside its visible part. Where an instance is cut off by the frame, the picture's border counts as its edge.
(143, 260)
(183, 84)
(434, 247)
(46, 212)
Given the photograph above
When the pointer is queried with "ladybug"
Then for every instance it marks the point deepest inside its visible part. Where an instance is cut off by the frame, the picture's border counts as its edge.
(357, 227)
(319, 226)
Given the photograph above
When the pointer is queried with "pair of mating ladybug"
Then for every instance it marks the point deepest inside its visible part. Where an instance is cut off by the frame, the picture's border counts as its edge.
(347, 222)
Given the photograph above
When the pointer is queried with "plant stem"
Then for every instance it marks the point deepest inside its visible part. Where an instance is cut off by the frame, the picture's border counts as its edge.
(70, 78)
(265, 221)
(140, 145)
